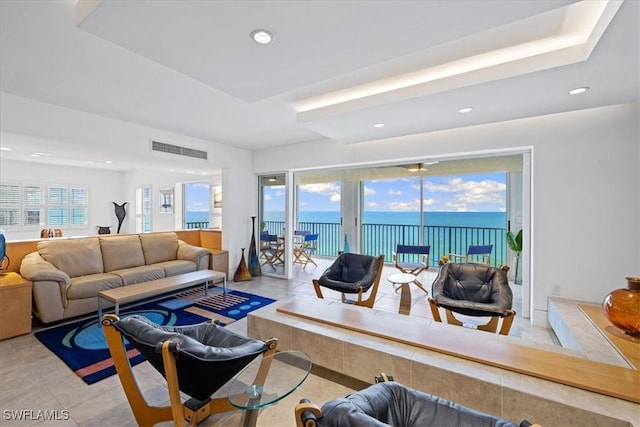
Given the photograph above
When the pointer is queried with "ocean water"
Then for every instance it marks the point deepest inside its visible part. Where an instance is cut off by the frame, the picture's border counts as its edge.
(197, 216)
(382, 231)
(452, 219)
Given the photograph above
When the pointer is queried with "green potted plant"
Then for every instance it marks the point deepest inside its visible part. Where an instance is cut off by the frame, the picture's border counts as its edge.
(515, 244)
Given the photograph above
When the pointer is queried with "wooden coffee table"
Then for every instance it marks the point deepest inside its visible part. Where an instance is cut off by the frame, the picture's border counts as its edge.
(139, 291)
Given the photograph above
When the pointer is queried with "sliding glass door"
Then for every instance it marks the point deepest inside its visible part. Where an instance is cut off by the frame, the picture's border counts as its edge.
(272, 220)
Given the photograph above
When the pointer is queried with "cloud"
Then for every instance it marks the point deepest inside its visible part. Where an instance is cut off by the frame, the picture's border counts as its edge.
(430, 202)
(457, 184)
(329, 189)
(369, 191)
(394, 193)
(372, 204)
(267, 197)
(199, 185)
(413, 205)
(469, 193)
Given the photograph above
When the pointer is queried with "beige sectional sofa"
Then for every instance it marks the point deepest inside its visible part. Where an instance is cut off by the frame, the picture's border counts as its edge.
(67, 274)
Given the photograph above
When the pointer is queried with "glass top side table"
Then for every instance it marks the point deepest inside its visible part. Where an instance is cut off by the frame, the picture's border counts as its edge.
(403, 280)
(266, 381)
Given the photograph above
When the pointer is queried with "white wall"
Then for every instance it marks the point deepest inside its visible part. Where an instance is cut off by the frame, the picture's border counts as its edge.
(104, 187)
(586, 189)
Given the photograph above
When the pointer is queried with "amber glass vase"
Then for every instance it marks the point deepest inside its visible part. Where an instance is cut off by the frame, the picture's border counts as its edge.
(622, 307)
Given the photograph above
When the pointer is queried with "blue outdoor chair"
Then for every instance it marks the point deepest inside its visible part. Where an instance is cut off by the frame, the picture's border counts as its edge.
(412, 259)
(302, 253)
(478, 254)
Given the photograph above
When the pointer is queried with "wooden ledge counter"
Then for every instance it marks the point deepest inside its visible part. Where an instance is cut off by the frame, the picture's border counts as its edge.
(477, 346)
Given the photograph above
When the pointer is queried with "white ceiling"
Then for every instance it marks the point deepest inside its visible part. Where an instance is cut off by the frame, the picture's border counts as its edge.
(190, 68)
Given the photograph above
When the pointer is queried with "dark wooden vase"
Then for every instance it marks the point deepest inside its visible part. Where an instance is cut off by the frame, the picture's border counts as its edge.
(242, 272)
(254, 261)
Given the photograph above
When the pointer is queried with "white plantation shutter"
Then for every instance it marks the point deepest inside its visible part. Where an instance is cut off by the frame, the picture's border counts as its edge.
(79, 202)
(9, 205)
(33, 205)
(58, 198)
(36, 206)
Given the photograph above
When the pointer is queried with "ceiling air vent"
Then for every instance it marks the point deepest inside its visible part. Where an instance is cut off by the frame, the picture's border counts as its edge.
(163, 147)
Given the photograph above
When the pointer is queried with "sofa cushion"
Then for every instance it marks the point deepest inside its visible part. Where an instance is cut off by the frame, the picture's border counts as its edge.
(143, 273)
(76, 257)
(159, 247)
(89, 286)
(120, 252)
(173, 268)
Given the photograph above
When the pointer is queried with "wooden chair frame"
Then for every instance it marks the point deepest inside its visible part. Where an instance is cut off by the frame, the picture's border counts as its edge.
(272, 250)
(302, 252)
(373, 290)
(490, 326)
(416, 270)
(178, 412)
(309, 414)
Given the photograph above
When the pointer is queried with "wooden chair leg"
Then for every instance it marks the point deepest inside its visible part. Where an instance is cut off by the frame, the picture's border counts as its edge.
(144, 414)
(316, 286)
(491, 325)
(507, 320)
(435, 311)
(171, 375)
(307, 414)
(451, 320)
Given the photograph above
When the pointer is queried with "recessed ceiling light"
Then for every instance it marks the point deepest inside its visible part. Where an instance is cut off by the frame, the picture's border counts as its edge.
(578, 90)
(261, 36)
(42, 154)
(465, 110)
(108, 162)
(378, 125)
(6, 149)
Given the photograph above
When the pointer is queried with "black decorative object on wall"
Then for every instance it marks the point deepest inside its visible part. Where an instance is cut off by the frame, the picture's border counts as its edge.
(104, 229)
(254, 262)
(120, 214)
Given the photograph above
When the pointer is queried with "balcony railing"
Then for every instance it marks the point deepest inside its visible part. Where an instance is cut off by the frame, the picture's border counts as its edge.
(196, 224)
(382, 239)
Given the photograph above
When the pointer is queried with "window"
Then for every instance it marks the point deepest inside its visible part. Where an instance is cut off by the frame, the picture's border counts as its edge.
(143, 209)
(26, 205)
(79, 206)
(33, 206)
(58, 206)
(9, 205)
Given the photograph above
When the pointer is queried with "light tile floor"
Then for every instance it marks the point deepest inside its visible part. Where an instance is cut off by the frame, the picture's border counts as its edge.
(32, 378)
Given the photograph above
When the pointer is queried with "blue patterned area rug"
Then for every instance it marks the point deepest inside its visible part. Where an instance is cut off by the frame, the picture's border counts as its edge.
(82, 345)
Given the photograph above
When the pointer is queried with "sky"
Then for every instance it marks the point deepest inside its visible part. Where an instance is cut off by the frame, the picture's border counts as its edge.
(197, 196)
(481, 192)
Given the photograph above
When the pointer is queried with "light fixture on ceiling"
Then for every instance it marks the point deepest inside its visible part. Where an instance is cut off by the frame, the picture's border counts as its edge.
(417, 167)
(272, 179)
(578, 90)
(378, 125)
(465, 110)
(6, 149)
(261, 36)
